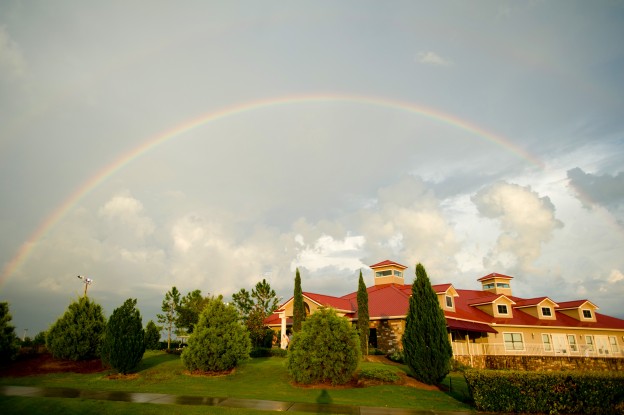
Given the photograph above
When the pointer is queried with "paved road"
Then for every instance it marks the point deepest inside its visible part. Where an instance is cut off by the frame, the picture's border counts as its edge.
(160, 398)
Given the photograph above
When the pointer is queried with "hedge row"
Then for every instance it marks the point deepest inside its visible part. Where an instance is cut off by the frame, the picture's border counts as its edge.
(547, 392)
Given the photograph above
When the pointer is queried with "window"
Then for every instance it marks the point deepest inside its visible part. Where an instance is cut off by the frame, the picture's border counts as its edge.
(488, 286)
(502, 309)
(572, 343)
(546, 312)
(547, 342)
(398, 274)
(449, 301)
(513, 341)
(613, 343)
(589, 341)
(502, 285)
(383, 273)
(587, 314)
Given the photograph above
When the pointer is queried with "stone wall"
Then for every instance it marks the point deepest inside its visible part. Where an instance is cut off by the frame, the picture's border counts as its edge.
(389, 334)
(543, 363)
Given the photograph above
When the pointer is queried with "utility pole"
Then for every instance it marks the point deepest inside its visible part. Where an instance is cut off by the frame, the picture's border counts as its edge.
(86, 281)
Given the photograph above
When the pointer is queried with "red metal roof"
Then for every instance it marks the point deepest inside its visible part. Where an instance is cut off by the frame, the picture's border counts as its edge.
(451, 323)
(495, 275)
(392, 301)
(386, 263)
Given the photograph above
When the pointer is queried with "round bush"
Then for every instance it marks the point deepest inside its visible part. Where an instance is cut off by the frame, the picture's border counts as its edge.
(327, 349)
(78, 333)
(219, 341)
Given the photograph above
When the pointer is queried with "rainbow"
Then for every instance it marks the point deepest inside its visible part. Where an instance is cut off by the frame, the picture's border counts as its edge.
(112, 168)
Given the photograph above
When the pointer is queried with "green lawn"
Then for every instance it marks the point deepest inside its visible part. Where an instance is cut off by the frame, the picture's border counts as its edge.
(261, 378)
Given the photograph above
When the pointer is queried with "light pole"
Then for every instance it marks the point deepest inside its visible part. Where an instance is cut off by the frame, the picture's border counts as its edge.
(86, 281)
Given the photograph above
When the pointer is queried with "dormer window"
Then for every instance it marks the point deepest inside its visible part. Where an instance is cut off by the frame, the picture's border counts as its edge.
(502, 309)
(500, 285)
(489, 286)
(383, 273)
(398, 273)
(546, 312)
(587, 314)
(449, 301)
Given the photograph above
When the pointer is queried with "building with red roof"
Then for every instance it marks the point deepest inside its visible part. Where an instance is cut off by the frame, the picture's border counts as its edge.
(479, 322)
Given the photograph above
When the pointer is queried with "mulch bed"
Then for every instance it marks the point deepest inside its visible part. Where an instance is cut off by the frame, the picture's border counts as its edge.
(44, 363)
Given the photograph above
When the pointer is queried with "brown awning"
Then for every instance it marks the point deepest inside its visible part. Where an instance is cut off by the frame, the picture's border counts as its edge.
(469, 326)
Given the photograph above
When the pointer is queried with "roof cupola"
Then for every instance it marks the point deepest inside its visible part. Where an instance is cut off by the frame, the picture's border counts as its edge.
(496, 283)
(388, 272)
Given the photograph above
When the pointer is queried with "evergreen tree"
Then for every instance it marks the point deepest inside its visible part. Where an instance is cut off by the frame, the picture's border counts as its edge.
(169, 316)
(265, 298)
(152, 336)
(426, 345)
(9, 343)
(363, 317)
(298, 307)
(243, 303)
(78, 333)
(219, 342)
(254, 308)
(327, 349)
(123, 344)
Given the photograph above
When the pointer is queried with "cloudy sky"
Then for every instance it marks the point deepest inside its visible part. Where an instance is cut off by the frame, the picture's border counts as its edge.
(208, 145)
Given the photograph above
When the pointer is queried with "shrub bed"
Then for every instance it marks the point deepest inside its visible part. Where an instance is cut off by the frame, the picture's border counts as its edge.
(268, 352)
(547, 392)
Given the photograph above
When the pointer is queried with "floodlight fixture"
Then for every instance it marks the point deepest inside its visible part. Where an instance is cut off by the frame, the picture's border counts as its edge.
(86, 281)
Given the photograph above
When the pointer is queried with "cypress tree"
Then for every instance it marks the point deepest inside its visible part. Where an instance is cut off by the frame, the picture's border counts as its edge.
(298, 307)
(425, 342)
(124, 338)
(363, 317)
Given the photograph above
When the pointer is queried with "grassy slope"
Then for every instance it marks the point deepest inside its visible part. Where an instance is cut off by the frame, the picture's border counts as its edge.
(263, 378)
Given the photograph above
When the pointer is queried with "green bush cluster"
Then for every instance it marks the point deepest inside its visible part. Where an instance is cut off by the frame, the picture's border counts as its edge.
(78, 333)
(327, 349)
(379, 374)
(547, 392)
(268, 352)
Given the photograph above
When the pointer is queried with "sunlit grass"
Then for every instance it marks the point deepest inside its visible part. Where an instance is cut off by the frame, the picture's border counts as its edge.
(260, 378)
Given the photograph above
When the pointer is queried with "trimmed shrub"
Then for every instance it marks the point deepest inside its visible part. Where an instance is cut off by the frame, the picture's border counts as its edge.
(219, 342)
(9, 343)
(547, 392)
(379, 374)
(77, 335)
(426, 347)
(123, 344)
(327, 349)
(152, 336)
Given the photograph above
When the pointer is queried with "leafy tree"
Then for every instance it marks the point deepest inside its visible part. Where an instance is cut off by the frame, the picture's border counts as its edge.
(363, 317)
(327, 349)
(219, 342)
(426, 346)
(265, 298)
(243, 303)
(170, 315)
(78, 333)
(191, 306)
(254, 308)
(9, 342)
(123, 344)
(298, 307)
(152, 336)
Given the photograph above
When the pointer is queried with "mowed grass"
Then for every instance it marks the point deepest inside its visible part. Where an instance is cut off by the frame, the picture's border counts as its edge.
(261, 378)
